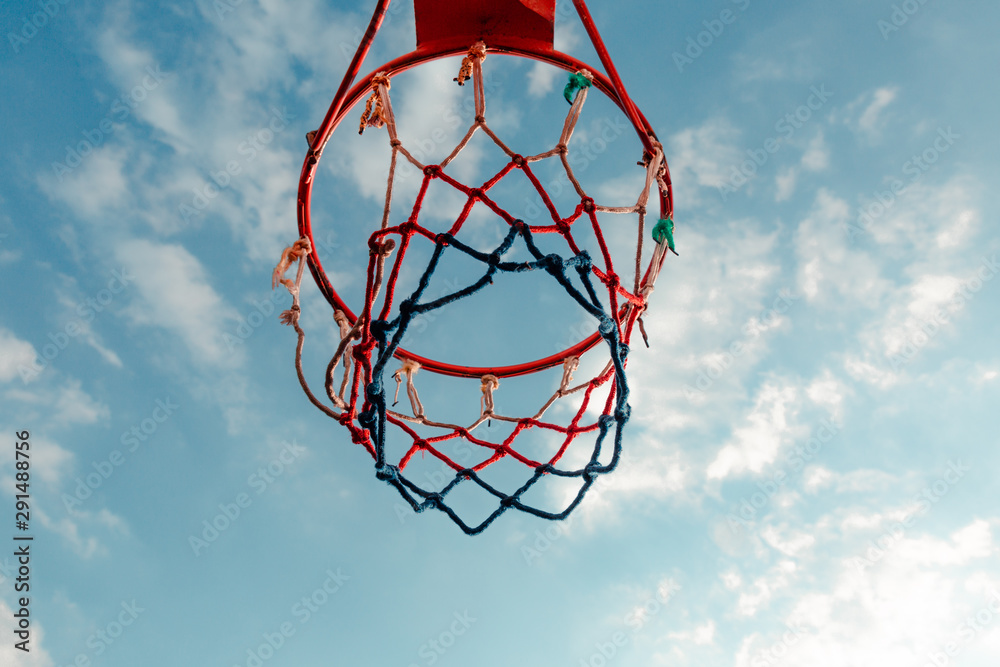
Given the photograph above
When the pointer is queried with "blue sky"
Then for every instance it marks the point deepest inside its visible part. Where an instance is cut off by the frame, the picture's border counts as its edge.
(809, 473)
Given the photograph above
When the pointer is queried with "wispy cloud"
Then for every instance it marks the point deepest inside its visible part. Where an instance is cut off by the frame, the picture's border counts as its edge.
(175, 293)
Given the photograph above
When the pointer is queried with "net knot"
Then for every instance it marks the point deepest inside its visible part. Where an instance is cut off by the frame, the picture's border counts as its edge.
(432, 170)
(507, 501)
(379, 329)
(362, 351)
(476, 52)
(289, 256)
(290, 317)
(588, 204)
(477, 193)
(358, 436)
(374, 114)
(553, 263)
(489, 383)
(367, 418)
(387, 473)
(383, 248)
(518, 160)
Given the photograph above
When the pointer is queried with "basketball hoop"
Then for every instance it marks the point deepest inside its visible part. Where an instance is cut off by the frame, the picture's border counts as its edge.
(372, 337)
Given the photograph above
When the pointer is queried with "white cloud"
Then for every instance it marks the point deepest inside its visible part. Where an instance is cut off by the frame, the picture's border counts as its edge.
(704, 155)
(898, 610)
(758, 594)
(816, 157)
(174, 293)
(770, 424)
(830, 271)
(829, 392)
(49, 461)
(934, 226)
(64, 404)
(702, 635)
(14, 353)
(789, 542)
(543, 78)
(817, 154)
(68, 529)
(37, 655)
(865, 114)
(785, 183)
(871, 119)
(96, 186)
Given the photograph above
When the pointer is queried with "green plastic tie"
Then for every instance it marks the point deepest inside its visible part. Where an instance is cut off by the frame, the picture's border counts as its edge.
(664, 231)
(577, 82)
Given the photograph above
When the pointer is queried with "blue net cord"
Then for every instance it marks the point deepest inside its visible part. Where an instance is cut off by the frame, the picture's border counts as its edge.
(389, 333)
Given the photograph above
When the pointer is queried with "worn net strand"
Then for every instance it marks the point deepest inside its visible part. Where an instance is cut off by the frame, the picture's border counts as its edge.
(368, 345)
